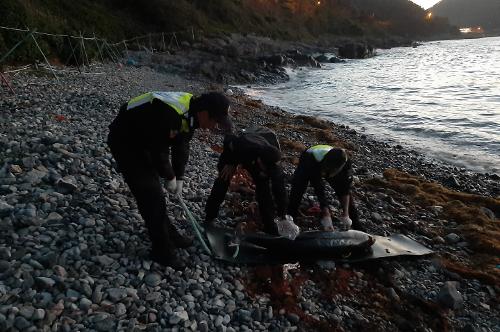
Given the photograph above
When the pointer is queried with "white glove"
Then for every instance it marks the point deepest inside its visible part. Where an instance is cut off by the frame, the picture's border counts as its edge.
(171, 185)
(345, 223)
(326, 222)
(287, 228)
(178, 189)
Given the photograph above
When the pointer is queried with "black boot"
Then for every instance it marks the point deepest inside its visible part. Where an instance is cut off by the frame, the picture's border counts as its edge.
(168, 259)
(209, 224)
(271, 228)
(179, 240)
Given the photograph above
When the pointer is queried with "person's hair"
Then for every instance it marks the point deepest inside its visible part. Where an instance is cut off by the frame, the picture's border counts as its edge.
(228, 139)
(215, 103)
(334, 160)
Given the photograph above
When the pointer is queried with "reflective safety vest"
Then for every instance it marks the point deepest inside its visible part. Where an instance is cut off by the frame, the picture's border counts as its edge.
(319, 151)
(179, 101)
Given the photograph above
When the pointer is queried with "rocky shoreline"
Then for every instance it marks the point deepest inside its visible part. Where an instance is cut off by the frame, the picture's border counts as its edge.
(236, 58)
(73, 246)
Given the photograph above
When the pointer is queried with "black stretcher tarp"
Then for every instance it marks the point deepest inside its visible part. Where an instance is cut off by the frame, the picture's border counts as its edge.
(310, 246)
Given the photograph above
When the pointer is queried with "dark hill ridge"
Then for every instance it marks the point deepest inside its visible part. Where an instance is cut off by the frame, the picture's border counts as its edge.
(401, 17)
(465, 13)
(304, 20)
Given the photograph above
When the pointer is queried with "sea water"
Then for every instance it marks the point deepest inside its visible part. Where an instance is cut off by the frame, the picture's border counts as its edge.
(442, 98)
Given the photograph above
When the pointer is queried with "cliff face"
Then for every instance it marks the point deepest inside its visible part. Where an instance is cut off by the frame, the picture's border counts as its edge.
(465, 13)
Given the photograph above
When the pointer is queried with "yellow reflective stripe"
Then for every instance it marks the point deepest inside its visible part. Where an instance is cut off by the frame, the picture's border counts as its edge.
(184, 100)
(184, 126)
(139, 100)
(319, 151)
(179, 101)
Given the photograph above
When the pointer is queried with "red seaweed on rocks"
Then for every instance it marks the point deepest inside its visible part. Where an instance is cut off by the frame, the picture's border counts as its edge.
(467, 210)
(285, 293)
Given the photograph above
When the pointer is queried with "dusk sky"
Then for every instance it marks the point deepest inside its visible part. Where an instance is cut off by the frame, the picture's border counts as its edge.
(425, 3)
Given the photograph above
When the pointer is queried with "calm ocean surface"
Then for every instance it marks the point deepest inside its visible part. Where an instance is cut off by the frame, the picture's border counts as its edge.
(442, 98)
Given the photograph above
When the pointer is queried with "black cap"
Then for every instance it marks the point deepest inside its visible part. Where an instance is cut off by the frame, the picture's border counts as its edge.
(334, 161)
(217, 105)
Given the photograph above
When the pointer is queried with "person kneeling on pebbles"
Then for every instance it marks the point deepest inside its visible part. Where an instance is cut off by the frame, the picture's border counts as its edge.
(141, 137)
(333, 165)
(256, 150)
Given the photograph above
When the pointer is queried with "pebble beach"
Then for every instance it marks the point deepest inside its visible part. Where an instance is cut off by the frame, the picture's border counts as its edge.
(73, 247)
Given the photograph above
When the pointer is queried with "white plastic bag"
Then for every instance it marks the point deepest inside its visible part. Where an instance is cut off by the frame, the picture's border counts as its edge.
(287, 228)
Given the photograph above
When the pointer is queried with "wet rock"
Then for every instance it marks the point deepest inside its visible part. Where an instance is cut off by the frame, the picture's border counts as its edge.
(85, 304)
(5, 253)
(3, 322)
(470, 328)
(27, 312)
(5, 209)
(16, 169)
(293, 318)
(452, 238)
(21, 323)
(203, 326)
(257, 314)
(452, 181)
(105, 260)
(439, 240)
(39, 314)
(44, 282)
(321, 58)
(66, 185)
(53, 216)
(377, 217)
(4, 266)
(117, 294)
(120, 309)
(107, 324)
(245, 316)
(178, 316)
(34, 177)
(153, 279)
(450, 297)
(393, 295)
(485, 210)
(352, 50)
(274, 60)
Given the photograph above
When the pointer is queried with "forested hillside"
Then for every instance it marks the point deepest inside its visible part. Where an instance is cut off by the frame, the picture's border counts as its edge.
(285, 19)
(466, 13)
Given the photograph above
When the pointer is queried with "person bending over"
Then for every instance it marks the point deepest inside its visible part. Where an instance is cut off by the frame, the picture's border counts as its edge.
(317, 164)
(141, 137)
(257, 151)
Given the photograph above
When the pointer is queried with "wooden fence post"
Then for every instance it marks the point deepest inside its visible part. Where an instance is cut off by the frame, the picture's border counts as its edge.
(7, 83)
(74, 55)
(98, 49)
(84, 50)
(44, 57)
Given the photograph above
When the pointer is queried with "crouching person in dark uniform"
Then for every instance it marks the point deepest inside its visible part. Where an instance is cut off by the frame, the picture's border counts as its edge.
(141, 138)
(333, 165)
(260, 156)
